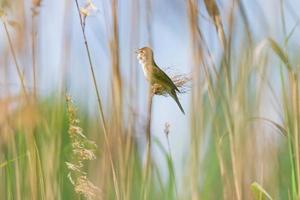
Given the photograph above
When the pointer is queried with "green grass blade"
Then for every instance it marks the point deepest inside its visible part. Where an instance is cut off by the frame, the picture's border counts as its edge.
(280, 53)
(259, 192)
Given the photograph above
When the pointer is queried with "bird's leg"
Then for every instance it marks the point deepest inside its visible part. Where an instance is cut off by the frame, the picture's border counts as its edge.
(158, 90)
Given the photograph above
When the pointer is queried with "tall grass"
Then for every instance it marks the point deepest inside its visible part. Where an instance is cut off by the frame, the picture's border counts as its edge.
(237, 148)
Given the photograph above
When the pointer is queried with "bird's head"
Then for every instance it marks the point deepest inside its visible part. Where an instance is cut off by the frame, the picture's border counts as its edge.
(145, 55)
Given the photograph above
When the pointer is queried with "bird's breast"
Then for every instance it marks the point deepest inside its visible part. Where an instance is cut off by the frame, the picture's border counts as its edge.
(146, 65)
(147, 71)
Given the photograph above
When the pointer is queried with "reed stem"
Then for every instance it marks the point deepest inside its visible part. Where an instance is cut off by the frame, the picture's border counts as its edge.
(100, 108)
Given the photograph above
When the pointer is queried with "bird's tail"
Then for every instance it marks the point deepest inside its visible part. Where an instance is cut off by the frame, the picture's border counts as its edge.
(174, 96)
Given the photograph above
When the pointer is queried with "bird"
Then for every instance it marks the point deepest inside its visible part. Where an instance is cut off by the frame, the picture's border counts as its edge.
(156, 76)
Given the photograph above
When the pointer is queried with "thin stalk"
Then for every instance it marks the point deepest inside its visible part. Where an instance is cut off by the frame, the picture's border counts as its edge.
(146, 174)
(295, 103)
(147, 171)
(150, 94)
(100, 108)
(33, 34)
(196, 100)
(232, 143)
(133, 94)
(20, 74)
(282, 14)
(234, 166)
(222, 168)
(287, 119)
(148, 127)
(173, 171)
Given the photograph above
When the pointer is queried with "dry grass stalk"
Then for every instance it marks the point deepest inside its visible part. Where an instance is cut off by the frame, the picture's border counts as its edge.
(36, 4)
(13, 52)
(117, 88)
(148, 163)
(99, 101)
(197, 58)
(214, 13)
(167, 133)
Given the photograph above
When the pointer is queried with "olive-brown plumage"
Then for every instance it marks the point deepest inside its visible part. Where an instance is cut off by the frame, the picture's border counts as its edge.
(155, 75)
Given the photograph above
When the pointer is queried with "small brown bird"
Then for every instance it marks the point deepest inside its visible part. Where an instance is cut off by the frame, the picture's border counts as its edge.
(155, 75)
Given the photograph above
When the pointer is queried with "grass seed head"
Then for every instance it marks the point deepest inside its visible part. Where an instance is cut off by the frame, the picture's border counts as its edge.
(82, 150)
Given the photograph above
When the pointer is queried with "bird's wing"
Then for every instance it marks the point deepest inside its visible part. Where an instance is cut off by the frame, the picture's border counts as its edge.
(162, 78)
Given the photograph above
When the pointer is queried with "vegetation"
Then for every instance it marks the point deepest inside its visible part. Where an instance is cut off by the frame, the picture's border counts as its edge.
(244, 108)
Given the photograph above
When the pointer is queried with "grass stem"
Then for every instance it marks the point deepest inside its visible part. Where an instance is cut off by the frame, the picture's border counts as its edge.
(100, 108)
